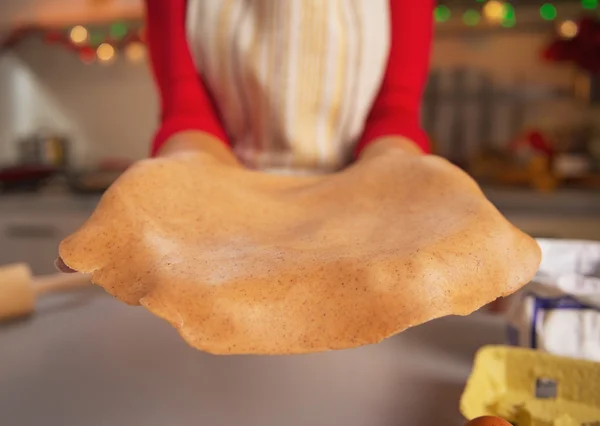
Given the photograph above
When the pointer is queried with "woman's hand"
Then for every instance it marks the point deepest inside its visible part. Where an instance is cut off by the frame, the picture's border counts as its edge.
(196, 141)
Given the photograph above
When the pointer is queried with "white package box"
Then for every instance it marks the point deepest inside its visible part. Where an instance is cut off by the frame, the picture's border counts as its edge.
(559, 311)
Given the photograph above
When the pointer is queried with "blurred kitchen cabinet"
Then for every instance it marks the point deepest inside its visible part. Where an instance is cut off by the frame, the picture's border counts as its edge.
(34, 237)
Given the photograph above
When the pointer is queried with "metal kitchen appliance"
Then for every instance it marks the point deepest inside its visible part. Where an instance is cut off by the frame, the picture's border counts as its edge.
(44, 148)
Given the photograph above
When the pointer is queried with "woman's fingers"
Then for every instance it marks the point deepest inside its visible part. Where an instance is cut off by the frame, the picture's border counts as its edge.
(62, 267)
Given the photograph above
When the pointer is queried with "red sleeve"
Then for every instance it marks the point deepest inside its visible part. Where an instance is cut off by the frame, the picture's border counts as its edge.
(396, 110)
(185, 104)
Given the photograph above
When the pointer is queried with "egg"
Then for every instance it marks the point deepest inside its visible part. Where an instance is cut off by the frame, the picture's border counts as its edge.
(488, 421)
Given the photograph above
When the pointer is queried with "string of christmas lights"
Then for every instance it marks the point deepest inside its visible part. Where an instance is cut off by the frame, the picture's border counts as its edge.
(102, 44)
(502, 12)
(106, 43)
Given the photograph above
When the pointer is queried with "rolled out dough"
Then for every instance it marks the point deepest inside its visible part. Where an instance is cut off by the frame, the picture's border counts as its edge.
(246, 262)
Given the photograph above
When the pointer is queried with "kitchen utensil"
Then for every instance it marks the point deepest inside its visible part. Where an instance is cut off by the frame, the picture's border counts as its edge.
(19, 289)
(44, 148)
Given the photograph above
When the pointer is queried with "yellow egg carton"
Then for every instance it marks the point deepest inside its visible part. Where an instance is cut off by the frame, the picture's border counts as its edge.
(532, 388)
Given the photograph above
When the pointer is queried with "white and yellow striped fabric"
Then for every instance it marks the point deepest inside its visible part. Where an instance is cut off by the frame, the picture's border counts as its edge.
(293, 80)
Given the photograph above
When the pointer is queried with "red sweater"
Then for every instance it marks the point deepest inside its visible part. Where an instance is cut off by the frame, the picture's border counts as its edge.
(186, 103)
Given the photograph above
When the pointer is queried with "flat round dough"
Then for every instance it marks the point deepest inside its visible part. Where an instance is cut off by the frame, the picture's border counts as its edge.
(247, 262)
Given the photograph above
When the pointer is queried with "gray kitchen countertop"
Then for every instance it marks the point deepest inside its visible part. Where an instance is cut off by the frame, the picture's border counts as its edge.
(87, 360)
(561, 202)
(51, 202)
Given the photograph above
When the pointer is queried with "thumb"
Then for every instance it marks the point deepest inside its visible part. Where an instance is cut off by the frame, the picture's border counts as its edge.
(62, 267)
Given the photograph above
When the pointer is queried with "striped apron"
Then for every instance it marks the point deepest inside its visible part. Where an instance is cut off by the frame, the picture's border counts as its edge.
(293, 80)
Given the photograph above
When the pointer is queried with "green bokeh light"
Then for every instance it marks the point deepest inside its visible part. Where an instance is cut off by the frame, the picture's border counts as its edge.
(548, 12)
(589, 4)
(509, 23)
(96, 38)
(471, 17)
(510, 18)
(442, 13)
(509, 12)
(118, 30)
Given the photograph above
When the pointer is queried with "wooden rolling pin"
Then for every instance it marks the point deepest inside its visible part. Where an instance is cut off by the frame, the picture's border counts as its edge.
(19, 289)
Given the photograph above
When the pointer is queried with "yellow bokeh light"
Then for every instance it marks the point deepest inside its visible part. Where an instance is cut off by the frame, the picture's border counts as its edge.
(135, 52)
(78, 34)
(105, 52)
(568, 29)
(494, 10)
